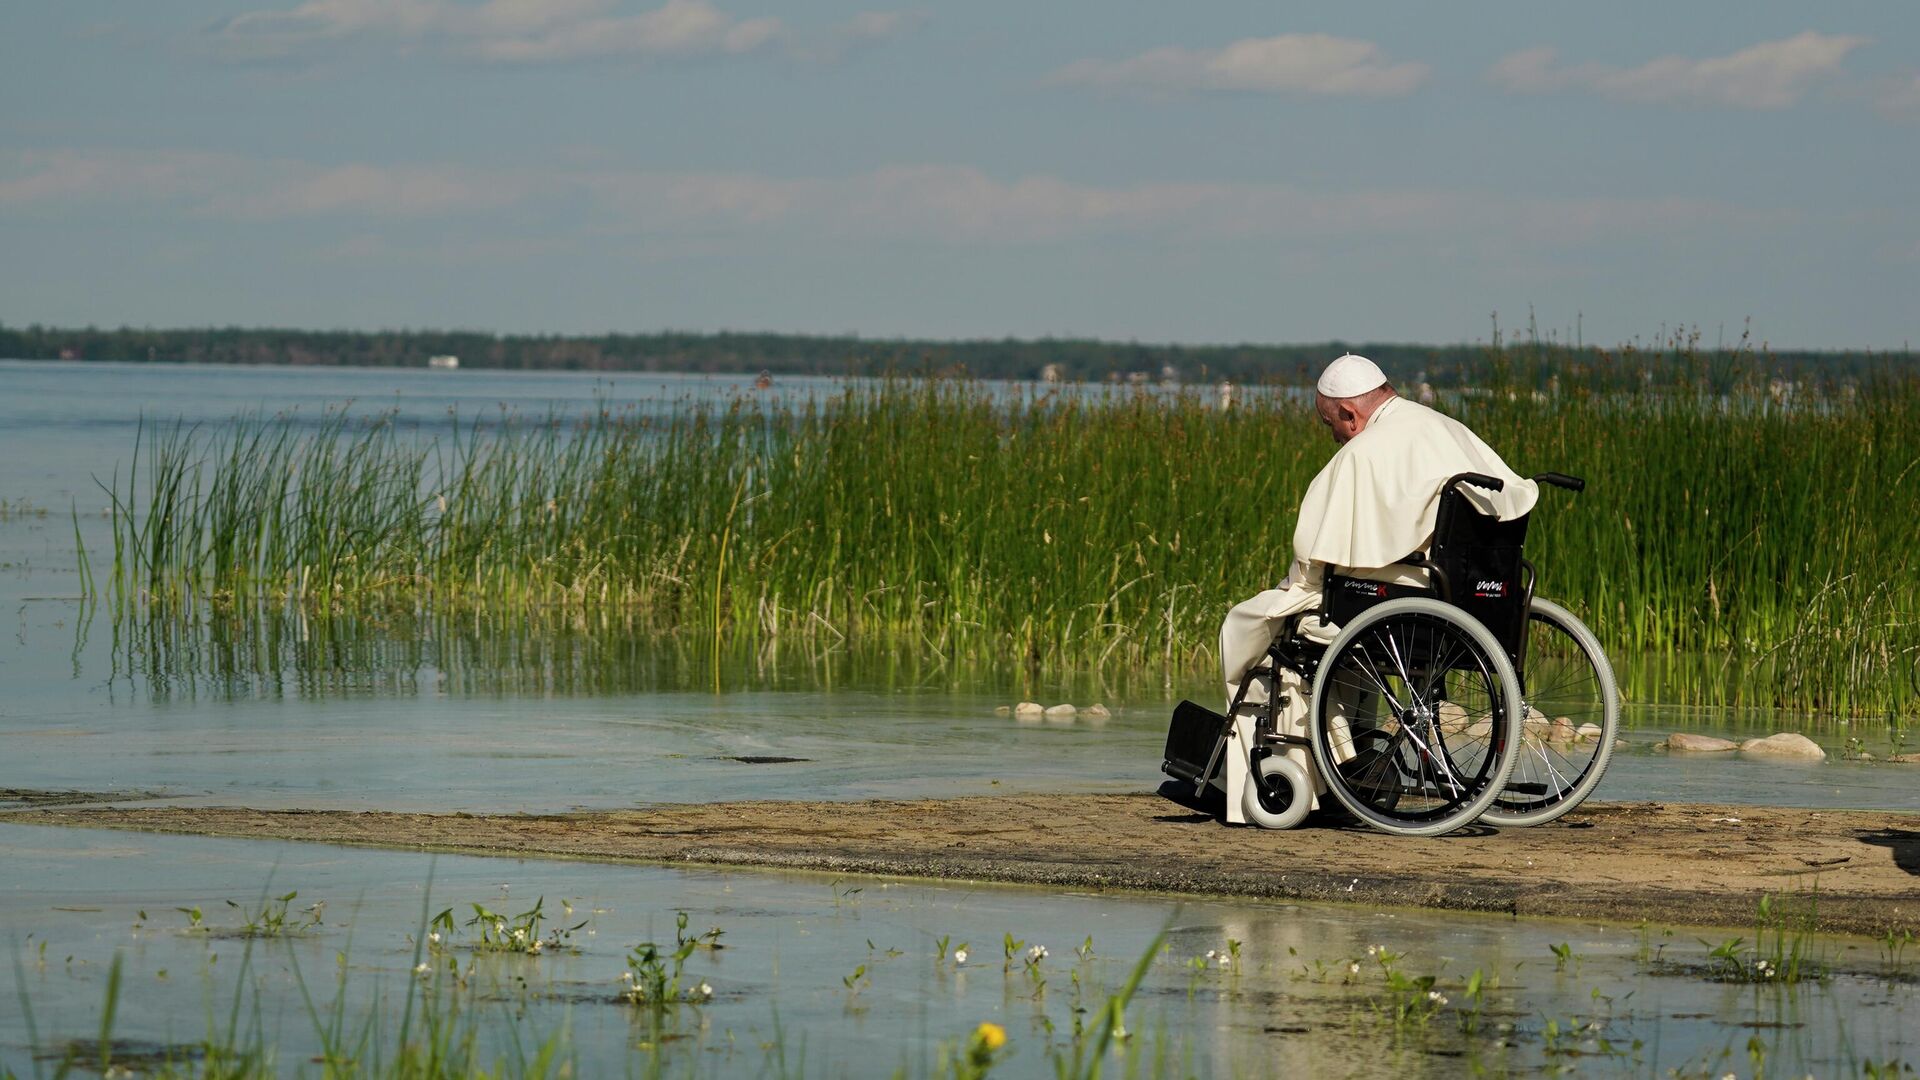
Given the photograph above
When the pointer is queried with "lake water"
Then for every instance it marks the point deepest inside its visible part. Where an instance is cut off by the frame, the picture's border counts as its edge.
(446, 715)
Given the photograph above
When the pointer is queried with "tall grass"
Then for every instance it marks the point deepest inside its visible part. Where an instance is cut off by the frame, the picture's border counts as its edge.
(1734, 547)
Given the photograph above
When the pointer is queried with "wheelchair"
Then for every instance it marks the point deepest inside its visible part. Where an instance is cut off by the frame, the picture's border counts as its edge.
(1468, 699)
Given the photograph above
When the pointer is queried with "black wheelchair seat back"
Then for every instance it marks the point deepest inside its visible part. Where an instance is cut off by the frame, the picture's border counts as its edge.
(1474, 563)
(1479, 557)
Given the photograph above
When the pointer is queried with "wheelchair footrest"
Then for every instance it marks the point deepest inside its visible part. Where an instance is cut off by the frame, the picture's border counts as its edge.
(1191, 737)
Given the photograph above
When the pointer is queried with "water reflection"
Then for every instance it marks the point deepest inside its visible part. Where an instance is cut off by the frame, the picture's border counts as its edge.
(858, 978)
(236, 654)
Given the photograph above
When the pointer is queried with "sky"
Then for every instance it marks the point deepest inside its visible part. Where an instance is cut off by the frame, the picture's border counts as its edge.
(1199, 173)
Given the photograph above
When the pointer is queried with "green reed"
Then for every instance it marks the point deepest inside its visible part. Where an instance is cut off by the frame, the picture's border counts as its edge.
(1735, 546)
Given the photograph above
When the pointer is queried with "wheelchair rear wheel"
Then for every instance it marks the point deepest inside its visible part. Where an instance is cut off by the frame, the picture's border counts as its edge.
(1572, 719)
(1414, 717)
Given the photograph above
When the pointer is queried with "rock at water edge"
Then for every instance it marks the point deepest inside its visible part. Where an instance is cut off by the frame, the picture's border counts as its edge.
(1787, 744)
(1699, 744)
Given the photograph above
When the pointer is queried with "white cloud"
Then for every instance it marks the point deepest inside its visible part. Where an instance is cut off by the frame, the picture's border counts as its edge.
(878, 25)
(236, 187)
(948, 204)
(1770, 75)
(1899, 96)
(1287, 63)
(29, 177)
(375, 191)
(511, 31)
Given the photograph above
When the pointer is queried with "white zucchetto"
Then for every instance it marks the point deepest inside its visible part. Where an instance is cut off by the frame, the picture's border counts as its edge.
(1350, 376)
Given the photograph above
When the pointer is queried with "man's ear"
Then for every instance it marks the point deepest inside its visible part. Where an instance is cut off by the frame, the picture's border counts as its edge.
(1347, 412)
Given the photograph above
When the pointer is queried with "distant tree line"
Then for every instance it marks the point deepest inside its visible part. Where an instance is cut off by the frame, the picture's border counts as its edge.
(1680, 357)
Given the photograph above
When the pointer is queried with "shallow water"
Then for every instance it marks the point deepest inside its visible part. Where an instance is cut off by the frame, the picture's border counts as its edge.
(793, 941)
(434, 715)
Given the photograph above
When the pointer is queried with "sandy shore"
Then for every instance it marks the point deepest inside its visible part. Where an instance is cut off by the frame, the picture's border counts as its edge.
(1669, 864)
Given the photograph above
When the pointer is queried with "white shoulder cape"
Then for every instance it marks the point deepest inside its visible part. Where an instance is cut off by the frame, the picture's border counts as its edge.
(1377, 499)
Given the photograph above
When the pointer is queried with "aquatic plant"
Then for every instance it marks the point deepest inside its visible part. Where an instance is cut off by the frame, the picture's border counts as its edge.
(508, 933)
(654, 977)
(271, 919)
(1408, 1001)
(1562, 955)
(1106, 1025)
(1893, 950)
(1473, 1001)
(1728, 550)
(1783, 949)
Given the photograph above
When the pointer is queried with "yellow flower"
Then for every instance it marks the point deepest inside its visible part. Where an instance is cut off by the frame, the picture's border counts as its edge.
(990, 1035)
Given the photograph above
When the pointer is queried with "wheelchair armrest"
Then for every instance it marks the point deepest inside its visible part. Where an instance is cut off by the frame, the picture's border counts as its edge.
(1442, 585)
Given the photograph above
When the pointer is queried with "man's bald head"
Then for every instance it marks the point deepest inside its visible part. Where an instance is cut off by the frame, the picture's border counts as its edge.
(1346, 417)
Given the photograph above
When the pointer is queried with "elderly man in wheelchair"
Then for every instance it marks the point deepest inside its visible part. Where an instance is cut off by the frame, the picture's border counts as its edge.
(1405, 667)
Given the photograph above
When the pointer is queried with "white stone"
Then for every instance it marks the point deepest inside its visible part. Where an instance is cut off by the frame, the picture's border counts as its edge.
(1061, 713)
(1699, 744)
(1787, 744)
(1029, 708)
(1098, 710)
(1002, 710)
(1589, 732)
(1909, 759)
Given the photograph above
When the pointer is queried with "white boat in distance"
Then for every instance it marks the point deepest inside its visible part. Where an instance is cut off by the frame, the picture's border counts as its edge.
(445, 363)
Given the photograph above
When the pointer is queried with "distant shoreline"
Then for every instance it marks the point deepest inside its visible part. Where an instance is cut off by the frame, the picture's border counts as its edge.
(1065, 359)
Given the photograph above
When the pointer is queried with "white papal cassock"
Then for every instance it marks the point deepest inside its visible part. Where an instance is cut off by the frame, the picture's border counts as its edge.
(1371, 505)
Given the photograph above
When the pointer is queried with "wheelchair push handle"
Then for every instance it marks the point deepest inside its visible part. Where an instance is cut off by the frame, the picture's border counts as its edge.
(1562, 480)
(1481, 480)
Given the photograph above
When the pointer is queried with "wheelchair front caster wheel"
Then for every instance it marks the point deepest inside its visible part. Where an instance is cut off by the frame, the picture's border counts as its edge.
(1277, 795)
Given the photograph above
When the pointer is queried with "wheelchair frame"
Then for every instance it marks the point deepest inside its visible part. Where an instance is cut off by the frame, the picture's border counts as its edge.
(1482, 591)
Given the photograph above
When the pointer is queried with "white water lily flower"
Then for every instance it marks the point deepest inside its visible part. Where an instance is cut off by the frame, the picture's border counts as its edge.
(1353, 968)
(1211, 953)
(536, 946)
(959, 956)
(626, 977)
(499, 928)
(434, 937)
(1036, 954)
(1225, 960)
(420, 968)
(706, 990)
(1436, 997)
